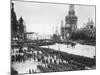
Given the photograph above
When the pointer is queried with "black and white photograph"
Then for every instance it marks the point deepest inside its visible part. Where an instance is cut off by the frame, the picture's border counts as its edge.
(52, 37)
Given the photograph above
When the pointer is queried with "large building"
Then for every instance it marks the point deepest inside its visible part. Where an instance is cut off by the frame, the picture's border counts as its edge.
(17, 26)
(70, 25)
(90, 24)
(90, 28)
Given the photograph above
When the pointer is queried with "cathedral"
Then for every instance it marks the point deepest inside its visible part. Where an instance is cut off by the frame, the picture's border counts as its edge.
(17, 26)
(70, 25)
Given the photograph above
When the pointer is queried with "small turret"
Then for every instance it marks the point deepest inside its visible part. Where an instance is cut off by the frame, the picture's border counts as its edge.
(71, 10)
(21, 20)
(12, 5)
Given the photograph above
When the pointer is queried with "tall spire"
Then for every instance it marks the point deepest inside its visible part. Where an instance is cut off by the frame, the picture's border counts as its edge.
(14, 21)
(71, 9)
(12, 5)
(13, 14)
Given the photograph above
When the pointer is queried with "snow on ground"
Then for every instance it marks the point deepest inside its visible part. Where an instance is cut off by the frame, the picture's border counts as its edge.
(82, 50)
(23, 67)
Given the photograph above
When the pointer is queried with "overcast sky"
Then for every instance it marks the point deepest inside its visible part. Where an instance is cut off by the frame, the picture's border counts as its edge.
(45, 17)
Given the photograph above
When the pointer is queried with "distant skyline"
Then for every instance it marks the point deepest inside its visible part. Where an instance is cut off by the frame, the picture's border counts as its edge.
(45, 17)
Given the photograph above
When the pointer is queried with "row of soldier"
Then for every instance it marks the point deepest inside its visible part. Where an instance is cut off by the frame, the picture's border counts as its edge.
(43, 57)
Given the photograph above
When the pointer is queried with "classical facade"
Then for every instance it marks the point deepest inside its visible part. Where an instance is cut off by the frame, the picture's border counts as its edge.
(70, 24)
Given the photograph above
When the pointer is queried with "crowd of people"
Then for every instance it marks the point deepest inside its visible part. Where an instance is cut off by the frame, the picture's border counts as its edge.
(49, 60)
